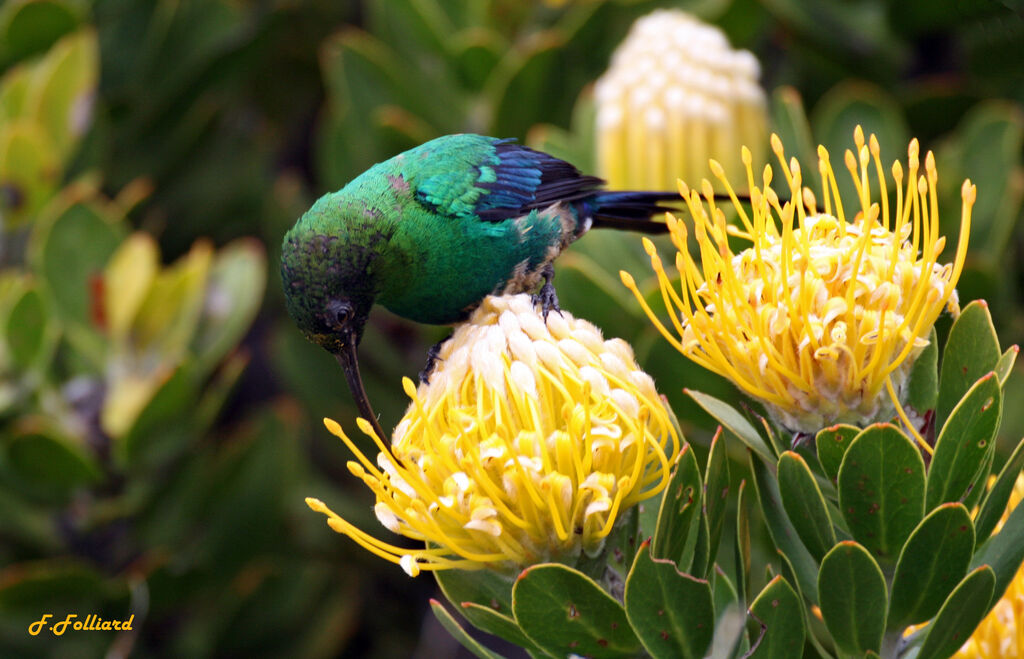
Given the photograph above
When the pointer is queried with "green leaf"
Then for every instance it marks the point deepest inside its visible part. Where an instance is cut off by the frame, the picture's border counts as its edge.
(40, 453)
(832, 444)
(723, 591)
(716, 495)
(923, 384)
(61, 94)
(487, 619)
(853, 598)
(29, 169)
(965, 443)
(781, 612)
(234, 291)
(456, 630)
(734, 422)
(672, 613)
(881, 489)
(69, 253)
(986, 148)
(30, 27)
(934, 559)
(785, 537)
(805, 505)
(1005, 364)
(29, 337)
(971, 351)
(965, 607)
(1004, 551)
(742, 545)
(565, 612)
(675, 536)
(158, 429)
(994, 506)
(486, 588)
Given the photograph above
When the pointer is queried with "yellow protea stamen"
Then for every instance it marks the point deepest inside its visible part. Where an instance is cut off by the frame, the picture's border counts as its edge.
(531, 438)
(819, 314)
(675, 94)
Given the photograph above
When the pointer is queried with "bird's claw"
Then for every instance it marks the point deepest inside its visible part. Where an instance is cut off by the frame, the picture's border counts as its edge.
(547, 299)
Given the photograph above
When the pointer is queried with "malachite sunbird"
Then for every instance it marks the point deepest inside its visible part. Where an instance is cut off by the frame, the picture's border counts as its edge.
(432, 231)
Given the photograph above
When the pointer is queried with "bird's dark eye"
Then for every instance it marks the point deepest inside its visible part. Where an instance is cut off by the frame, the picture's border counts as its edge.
(339, 313)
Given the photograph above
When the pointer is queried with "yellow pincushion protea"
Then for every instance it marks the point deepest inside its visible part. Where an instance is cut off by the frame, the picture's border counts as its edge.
(825, 309)
(529, 441)
(1001, 634)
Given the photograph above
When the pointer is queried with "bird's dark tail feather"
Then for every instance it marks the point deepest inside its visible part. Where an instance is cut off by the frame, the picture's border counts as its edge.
(632, 211)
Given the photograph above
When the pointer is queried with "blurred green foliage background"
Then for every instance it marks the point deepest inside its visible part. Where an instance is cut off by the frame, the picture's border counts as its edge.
(160, 415)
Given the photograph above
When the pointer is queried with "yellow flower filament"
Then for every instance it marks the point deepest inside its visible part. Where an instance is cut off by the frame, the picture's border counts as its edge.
(530, 439)
(819, 314)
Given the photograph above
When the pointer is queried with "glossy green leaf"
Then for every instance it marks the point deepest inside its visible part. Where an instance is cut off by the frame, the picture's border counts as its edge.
(716, 495)
(853, 598)
(998, 496)
(486, 588)
(965, 444)
(881, 489)
(734, 422)
(1005, 364)
(965, 607)
(971, 351)
(805, 505)
(456, 630)
(1004, 551)
(783, 534)
(675, 537)
(722, 590)
(934, 559)
(923, 384)
(672, 613)
(742, 544)
(487, 619)
(832, 444)
(565, 612)
(781, 612)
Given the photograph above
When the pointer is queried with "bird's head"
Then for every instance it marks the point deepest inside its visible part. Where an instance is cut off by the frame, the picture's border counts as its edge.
(328, 287)
(329, 268)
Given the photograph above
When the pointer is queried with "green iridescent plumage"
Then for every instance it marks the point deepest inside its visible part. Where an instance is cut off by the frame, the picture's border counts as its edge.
(431, 232)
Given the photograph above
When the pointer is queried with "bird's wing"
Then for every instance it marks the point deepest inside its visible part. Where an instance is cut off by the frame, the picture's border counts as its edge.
(501, 181)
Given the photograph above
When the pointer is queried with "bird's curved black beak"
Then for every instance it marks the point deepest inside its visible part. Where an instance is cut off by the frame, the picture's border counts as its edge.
(350, 364)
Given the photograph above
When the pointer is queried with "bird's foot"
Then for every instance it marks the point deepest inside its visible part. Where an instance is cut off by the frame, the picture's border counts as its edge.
(547, 298)
(432, 355)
